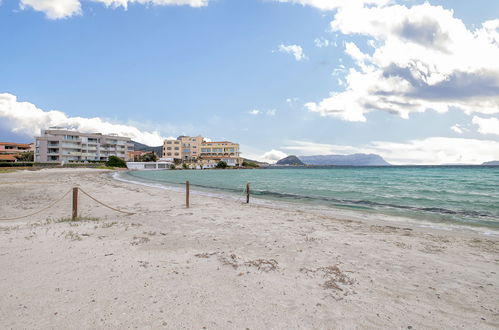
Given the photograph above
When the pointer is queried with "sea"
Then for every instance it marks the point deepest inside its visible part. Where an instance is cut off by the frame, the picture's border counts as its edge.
(438, 196)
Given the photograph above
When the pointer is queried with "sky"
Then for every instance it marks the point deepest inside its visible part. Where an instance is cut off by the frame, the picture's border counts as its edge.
(416, 82)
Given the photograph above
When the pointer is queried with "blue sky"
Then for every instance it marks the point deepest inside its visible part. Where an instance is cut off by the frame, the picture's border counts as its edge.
(229, 69)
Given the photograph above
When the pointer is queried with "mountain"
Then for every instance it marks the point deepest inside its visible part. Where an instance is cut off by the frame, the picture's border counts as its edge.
(142, 147)
(290, 160)
(345, 160)
(492, 163)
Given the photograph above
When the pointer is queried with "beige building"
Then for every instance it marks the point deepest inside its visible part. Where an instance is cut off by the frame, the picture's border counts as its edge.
(62, 145)
(196, 150)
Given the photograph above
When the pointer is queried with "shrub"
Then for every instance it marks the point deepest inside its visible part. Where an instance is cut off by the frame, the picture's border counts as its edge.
(27, 156)
(172, 166)
(184, 166)
(149, 157)
(114, 161)
(250, 164)
(221, 164)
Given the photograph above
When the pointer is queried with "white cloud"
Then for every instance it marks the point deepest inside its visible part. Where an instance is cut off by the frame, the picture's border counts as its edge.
(457, 129)
(429, 151)
(294, 50)
(423, 58)
(57, 9)
(335, 4)
(486, 125)
(270, 112)
(26, 118)
(272, 156)
(54, 9)
(321, 42)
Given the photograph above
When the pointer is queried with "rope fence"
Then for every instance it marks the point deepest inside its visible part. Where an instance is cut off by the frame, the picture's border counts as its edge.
(74, 205)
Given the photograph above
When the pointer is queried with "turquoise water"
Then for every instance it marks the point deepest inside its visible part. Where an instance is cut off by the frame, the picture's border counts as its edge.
(466, 195)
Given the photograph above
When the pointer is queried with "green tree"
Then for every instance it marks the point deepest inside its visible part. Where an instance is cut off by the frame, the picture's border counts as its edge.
(184, 166)
(221, 164)
(249, 164)
(27, 156)
(149, 157)
(114, 161)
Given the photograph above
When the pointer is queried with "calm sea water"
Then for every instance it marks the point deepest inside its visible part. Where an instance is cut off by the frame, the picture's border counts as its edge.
(466, 195)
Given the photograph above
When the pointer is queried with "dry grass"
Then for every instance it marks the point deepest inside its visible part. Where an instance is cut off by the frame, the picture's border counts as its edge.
(333, 276)
(137, 240)
(74, 236)
(236, 262)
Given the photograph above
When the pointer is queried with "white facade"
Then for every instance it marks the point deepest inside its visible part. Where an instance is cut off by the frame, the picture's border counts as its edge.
(62, 145)
(148, 165)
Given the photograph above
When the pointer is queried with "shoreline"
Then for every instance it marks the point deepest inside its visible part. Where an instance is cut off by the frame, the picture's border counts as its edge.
(369, 216)
(225, 265)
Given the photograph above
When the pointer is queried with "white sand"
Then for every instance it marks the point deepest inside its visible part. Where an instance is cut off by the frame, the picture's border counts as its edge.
(225, 265)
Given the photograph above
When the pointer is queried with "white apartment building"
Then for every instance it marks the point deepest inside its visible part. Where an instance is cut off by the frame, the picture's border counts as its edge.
(62, 145)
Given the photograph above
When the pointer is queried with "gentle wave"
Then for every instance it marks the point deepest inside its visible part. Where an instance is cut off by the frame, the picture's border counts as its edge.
(464, 195)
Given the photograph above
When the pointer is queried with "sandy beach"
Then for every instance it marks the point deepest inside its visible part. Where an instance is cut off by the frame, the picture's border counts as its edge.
(222, 264)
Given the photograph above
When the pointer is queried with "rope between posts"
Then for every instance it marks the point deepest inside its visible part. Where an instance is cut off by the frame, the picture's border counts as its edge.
(103, 204)
(29, 215)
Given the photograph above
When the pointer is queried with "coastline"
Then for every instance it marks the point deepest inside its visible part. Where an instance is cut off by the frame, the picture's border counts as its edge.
(225, 264)
(320, 209)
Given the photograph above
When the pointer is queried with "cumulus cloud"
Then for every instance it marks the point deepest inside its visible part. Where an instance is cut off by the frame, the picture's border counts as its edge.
(57, 9)
(422, 58)
(486, 125)
(272, 156)
(429, 151)
(54, 9)
(25, 118)
(269, 157)
(294, 50)
(457, 129)
(254, 112)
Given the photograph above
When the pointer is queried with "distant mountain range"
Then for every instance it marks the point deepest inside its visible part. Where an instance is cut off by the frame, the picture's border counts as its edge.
(142, 147)
(495, 163)
(337, 160)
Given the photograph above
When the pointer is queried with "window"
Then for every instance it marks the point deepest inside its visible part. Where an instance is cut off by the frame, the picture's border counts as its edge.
(176, 148)
(186, 151)
(169, 154)
(168, 142)
(176, 154)
(169, 148)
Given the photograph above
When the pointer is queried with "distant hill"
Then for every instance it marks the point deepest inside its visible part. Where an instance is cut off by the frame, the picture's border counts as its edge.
(260, 164)
(142, 147)
(494, 162)
(345, 160)
(290, 160)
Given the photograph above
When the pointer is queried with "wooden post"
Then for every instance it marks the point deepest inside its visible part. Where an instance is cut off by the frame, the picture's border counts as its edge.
(187, 194)
(247, 193)
(75, 204)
